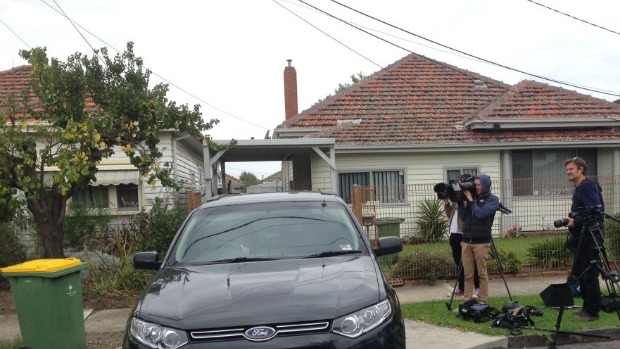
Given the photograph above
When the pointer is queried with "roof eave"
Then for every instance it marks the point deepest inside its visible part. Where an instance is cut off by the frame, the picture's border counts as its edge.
(521, 124)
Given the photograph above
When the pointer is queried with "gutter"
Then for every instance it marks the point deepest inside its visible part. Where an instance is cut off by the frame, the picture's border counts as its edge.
(521, 124)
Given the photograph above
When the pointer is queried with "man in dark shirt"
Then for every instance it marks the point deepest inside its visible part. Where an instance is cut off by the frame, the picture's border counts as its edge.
(582, 243)
(478, 214)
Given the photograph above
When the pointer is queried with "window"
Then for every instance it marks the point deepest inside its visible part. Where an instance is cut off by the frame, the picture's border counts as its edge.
(541, 172)
(127, 197)
(388, 186)
(455, 173)
(92, 197)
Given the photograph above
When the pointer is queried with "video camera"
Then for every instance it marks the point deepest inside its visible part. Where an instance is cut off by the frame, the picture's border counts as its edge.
(588, 214)
(446, 190)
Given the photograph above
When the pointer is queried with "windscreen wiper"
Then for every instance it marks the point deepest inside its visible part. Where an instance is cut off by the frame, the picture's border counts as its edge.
(333, 253)
(241, 259)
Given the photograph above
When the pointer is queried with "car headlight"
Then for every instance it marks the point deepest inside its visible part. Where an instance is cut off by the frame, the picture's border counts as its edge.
(156, 336)
(362, 321)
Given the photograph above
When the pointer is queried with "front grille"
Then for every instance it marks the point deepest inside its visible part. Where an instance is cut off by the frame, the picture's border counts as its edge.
(239, 332)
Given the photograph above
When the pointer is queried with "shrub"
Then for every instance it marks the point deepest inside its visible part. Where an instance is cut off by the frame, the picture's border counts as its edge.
(11, 250)
(550, 254)
(85, 224)
(426, 265)
(432, 223)
(509, 260)
(157, 227)
(612, 236)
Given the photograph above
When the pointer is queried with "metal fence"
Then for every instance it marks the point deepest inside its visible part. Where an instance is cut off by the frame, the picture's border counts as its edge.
(534, 206)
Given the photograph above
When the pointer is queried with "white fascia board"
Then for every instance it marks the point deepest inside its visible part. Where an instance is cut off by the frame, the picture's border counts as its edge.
(282, 142)
(466, 147)
(519, 124)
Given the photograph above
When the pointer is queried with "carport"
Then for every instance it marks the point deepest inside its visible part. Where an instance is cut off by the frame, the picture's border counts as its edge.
(298, 151)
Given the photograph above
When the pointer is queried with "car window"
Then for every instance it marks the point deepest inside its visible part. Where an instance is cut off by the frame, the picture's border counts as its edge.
(266, 230)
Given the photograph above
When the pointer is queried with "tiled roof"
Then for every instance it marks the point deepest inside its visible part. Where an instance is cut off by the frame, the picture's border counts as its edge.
(418, 100)
(13, 81)
(535, 100)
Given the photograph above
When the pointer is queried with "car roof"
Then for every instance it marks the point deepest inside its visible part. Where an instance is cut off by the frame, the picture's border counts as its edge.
(238, 199)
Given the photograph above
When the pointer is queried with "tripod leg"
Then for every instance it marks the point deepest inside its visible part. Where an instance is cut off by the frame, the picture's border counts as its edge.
(557, 328)
(458, 272)
(501, 269)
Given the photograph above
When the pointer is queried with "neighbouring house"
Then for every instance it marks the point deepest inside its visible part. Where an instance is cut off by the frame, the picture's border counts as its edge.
(421, 121)
(119, 187)
(270, 184)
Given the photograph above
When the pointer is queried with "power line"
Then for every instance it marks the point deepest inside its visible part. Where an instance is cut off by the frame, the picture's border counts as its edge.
(70, 21)
(459, 51)
(573, 17)
(152, 72)
(14, 33)
(329, 36)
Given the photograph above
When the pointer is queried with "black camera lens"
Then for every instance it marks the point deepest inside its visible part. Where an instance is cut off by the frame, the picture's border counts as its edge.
(560, 223)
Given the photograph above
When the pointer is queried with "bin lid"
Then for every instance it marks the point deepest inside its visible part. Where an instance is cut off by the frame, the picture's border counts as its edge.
(43, 265)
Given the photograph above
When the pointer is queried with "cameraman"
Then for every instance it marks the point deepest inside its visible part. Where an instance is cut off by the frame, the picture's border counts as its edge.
(478, 214)
(587, 194)
(451, 205)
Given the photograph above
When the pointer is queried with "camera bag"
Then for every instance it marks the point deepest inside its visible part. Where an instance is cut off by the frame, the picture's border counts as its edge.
(471, 310)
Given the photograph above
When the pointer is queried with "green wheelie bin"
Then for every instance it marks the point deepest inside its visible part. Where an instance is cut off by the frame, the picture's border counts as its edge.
(48, 302)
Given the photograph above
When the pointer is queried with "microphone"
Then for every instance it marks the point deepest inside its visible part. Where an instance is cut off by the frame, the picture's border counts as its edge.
(503, 209)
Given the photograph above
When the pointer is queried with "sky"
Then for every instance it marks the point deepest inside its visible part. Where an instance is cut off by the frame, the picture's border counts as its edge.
(229, 55)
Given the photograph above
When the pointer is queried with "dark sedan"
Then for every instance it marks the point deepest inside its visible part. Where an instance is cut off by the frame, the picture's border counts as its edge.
(280, 270)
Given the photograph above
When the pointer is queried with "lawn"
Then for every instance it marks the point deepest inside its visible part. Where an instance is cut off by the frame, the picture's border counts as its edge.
(437, 313)
(519, 246)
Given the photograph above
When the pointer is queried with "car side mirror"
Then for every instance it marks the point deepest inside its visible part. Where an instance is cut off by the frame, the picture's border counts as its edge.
(388, 245)
(146, 260)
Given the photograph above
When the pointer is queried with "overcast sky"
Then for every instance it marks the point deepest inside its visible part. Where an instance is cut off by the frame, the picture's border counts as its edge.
(229, 55)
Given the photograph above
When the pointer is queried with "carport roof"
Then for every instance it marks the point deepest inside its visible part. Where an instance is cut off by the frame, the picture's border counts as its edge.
(270, 149)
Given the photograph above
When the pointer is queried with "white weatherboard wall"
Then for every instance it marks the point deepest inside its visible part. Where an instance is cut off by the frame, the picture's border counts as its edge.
(418, 168)
(188, 170)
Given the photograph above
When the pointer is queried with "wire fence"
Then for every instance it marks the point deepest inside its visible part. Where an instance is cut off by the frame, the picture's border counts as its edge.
(525, 239)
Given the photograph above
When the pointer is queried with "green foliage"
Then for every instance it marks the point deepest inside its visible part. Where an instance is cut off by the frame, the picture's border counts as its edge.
(50, 122)
(509, 261)
(158, 226)
(11, 250)
(432, 223)
(550, 254)
(423, 265)
(117, 277)
(84, 224)
(612, 236)
(248, 178)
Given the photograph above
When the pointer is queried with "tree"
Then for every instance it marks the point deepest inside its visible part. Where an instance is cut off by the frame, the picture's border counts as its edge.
(248, 178)
(354, 80)
(69, 116)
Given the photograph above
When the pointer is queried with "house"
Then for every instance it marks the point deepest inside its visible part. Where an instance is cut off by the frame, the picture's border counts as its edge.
(421, 121)
(270, 184)
(119, 187)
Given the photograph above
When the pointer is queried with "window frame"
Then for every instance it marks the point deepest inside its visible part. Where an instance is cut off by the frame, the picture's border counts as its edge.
(371, 177)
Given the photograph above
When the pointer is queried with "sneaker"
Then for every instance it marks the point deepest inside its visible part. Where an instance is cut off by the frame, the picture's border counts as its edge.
(581, 315)
(456, 293)
(475, 293)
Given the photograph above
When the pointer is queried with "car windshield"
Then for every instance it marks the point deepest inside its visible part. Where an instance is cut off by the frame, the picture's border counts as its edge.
(273, 230)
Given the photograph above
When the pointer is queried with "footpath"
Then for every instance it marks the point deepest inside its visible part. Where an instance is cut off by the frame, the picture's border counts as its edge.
(419, 335)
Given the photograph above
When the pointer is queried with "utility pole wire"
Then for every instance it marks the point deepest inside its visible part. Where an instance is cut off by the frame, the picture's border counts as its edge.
(573, 17)
(468, 54)
(14, 33)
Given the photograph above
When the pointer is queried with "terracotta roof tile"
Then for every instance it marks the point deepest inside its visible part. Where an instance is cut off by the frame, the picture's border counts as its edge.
(418, 100)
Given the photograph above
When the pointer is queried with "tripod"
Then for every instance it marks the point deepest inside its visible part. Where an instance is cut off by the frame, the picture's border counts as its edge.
(559, 295)
(599, 263)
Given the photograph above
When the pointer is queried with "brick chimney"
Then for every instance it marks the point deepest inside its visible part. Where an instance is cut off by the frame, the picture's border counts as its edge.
(290, 91)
